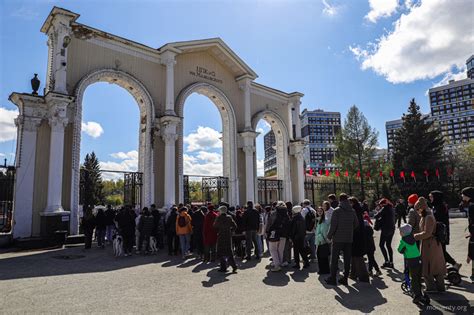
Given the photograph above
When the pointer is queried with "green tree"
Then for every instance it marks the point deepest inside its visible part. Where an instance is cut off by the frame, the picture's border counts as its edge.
(356, 144)
(418, 144)
(113, 192)
(91, 181)
(464, 164)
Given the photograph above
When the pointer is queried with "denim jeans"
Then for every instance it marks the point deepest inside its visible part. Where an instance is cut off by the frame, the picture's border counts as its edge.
(251, 237)
(185, 242)
(100, 237)
(109, 231)
(310, 241)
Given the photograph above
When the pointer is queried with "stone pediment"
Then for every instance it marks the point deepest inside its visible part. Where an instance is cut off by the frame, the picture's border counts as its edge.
(216, 48)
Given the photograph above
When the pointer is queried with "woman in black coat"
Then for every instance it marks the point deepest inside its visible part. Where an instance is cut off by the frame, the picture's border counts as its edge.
(88, 225)
(386, 218)
(224, 226)
(359, 247)
(441, 214)
(101, 225)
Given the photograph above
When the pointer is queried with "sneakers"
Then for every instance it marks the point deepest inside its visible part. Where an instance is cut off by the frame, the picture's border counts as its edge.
(378, 273)
(472, 278)
(275, 269)
(247, 258)
(343, 281)
(234, 269)
(296, 266)
(457, 266)
(306, 265)
(285, 264)
(387, 264)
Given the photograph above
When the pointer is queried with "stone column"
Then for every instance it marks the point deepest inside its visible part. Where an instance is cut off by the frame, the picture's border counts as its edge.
(55, 173)
(295, 103)
(248, 147)
(25, 174)
(169, 134)
(168, 59)
(244, 85)
(297, 150)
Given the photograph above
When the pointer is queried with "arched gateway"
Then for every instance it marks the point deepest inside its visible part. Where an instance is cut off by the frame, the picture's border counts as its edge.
(160, 80)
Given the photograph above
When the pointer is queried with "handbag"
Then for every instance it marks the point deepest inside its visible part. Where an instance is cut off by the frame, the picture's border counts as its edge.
(378, 224)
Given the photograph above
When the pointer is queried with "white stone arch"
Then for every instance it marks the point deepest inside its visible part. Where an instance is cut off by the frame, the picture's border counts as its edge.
(229, 134)
(147, 116)
(282, 137)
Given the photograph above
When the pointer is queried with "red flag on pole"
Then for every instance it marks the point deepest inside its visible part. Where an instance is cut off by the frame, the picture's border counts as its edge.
(346, 173)
(310, 171)
(381, 174)
(358, 174)
(402, 174)
(437, 173)
(338, 173)
(327, 173)
(392, 174)
(320, 171)
(368, 174)
(426, 175)
(413, 175)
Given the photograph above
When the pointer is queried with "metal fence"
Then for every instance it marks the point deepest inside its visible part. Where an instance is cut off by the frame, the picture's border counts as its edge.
(317, 189)
(7, 184)
(269, 190)
(201, 189)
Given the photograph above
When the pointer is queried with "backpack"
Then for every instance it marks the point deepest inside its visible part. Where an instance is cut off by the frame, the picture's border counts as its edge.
(440, 233)
(310, 220)
(182, 221)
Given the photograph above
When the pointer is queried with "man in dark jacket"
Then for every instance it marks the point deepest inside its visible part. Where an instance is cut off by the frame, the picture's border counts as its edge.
(158, 226)
(198, 222)
(126, 224)
(441, 214)
(101, 225)
(225, 225)
(110, 217)
(146, 226)
(343, 224)
(297, 235)
(251, 220)
(333, 201)
(170, 227)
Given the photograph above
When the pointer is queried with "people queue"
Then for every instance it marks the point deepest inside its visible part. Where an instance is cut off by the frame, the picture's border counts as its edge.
(339, 226)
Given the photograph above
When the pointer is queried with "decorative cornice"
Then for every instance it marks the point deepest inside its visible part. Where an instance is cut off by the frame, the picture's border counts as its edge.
(58, 123)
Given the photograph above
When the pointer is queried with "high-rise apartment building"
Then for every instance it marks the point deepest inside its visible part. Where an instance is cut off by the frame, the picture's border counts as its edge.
(319, 130)
(269, 163)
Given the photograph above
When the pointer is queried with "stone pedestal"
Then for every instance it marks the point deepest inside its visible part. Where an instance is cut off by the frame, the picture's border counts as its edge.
(52, 222)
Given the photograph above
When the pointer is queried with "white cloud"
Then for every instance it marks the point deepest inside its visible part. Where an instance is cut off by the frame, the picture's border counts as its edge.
(210, 157)
(204, 138)
(380, 9)
(92, 128)
(207, 164)
(452, 75)
(7, 124)
(129, 162)
(260, 168)
(330, 10)
(429, 40)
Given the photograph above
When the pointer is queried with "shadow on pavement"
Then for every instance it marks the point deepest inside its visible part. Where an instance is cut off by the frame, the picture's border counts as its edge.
(76, 260)
(448, 303)
(215, 277)
(277, 279)
(395, 274)
(353, 300)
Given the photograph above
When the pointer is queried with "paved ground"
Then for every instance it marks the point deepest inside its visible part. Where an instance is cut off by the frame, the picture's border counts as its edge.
(38, 282)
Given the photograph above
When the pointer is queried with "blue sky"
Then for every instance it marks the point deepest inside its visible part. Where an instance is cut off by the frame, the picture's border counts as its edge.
(371, 53)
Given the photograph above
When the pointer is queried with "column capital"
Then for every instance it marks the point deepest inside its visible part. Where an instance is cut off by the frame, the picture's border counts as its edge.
(58, 123)
(247, 138)
(28, 123)
(169, 128)
(297, 148)
(244, 84)
(249, 149)
(168, 58)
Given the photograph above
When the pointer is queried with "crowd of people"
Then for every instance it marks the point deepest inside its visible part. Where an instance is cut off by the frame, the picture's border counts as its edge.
(298, 235)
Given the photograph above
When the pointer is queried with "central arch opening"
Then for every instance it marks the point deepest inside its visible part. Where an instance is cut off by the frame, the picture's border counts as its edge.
(219, 181)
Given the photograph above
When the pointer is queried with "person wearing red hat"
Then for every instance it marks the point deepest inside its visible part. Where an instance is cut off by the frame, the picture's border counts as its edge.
(413, 217)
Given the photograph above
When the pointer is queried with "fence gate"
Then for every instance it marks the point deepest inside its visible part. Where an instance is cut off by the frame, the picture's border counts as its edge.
(132, 189)
(7, 184)
(269, 190)
(200, 189)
